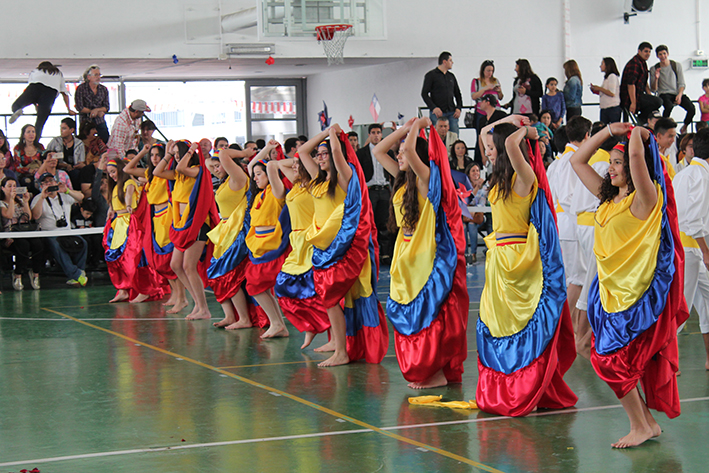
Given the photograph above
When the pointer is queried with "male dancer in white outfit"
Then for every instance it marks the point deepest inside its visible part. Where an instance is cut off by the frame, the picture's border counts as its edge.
(563, 182)
(583, 207)
(692, 196)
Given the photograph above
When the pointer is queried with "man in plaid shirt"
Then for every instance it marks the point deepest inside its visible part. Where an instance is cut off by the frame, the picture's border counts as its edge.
(124, 133)
(635, 94)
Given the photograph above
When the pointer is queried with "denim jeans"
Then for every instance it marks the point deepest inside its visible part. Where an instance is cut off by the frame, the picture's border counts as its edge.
(453, 122)
(71, 264)
(471, 237)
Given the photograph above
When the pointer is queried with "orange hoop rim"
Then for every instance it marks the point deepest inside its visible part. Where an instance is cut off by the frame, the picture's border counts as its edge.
(327, 32)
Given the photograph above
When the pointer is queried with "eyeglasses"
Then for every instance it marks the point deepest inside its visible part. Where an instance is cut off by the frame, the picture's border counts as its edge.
(322, 156)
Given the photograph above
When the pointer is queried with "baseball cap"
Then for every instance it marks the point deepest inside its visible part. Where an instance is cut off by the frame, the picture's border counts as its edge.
(491, 99)
(139, 105)
(45, 176)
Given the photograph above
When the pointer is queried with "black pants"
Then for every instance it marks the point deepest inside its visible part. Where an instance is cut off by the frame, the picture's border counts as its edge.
(645, 106)
(28, 252)
(380, 197)
(668, 102)
(41, 96)
(572, 112)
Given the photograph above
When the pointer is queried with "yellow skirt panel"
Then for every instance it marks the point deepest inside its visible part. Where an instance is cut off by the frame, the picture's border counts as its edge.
(162, 221)
(300, 259)
(321, 238)
(120, 230)
(513, 284)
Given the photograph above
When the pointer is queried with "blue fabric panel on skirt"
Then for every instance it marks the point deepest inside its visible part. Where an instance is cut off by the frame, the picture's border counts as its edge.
(284, 220)
(323, 259)
(511, 353)
(295, 286)
(159, 250)
(115, 254)
(143, 262)
(420, 313)
(230, 259)
(615, 331)
(365, 313)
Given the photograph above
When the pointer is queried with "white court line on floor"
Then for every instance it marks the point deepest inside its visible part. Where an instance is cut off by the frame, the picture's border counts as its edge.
(33, 319)
(313, 435)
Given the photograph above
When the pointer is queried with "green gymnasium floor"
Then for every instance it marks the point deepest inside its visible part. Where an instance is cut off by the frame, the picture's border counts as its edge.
(88, 386)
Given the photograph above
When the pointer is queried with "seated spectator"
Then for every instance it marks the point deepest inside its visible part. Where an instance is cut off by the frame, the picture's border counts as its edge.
(459, 156)
(94, 147)
(26, 153)
(635, 94)
(447, 136)
(221, 142)
(4, 146)
(52, 209)
(29, 252)
(50, 165)
(82, 216)
(478, 197)
(667, 79)
(554, 102)
(704, 102)
(4, 172)
(72, 152)
(546, 135)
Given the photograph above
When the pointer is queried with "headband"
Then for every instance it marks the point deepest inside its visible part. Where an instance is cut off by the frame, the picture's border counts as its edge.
(113, 163)
(620, 147)
(322, 143)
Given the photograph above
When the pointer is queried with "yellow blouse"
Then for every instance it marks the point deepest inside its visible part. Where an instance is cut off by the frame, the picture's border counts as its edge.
(626, 250)
(156, 190)
(511, 215)
(300, 208)
(266, 209)
(117, 204)
(228, 200)
(323, 204)
(183, 187)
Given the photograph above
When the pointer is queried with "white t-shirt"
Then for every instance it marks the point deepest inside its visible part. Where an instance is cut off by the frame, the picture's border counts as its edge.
(53, 81)
(52, 210)
(612, 84)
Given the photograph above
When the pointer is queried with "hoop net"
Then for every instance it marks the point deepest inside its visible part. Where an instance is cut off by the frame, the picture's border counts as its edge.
(333, 38)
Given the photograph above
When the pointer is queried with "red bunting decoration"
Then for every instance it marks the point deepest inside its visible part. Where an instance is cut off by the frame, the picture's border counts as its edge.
(350, 121)
(270, 60)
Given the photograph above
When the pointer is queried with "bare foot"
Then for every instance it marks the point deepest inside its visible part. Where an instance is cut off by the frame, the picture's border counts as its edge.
(275, 331)
(634, 438)
(224, 322)
(243, 322)
(338, 358)
(179, 305)
(329, 346)
(171, 301)
(706, 364)
(198, 315)
(140, 298)
(308, 339)
(121, 296)
(435, 381)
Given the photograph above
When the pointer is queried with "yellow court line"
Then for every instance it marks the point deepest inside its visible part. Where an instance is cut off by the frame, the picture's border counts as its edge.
(292, 397)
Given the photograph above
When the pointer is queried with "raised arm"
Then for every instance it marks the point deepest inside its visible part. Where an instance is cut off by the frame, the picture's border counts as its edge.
(485, 138)
(183, 167)
(129, 197)
(646, 192)
(413, 159)
(277, 187)
(525, 173)
(132, 167)
(261, 156)
(305, 151)
(344, 172)
(579, 161)
(161, 169)
(237, 177)
(286, 167)
(382, 148)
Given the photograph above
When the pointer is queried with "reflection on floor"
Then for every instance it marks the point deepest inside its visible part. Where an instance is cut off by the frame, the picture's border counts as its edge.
(88, 386)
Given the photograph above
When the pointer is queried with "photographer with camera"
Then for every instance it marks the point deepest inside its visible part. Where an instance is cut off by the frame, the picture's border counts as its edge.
(52, 209)
(17, 217)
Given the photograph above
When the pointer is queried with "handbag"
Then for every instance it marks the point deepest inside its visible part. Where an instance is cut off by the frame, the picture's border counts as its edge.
(24, 224)
(469, 119)
(71, 244)
(478, 218)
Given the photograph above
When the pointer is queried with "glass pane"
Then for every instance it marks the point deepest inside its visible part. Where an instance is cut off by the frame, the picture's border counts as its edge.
(273, 102)
(277, 130)
(194, 110)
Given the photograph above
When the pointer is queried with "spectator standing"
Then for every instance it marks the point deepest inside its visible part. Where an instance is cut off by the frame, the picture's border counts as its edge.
(352, 137)
(485, 84)
(573, 89)
(29, 252)
(492, 114)
(667, 80)
(45, 83)
(635, 94)
(554, 102)
(52, 209)
(441, 92)
(609, 92)
(124, 133)
(527, 90)
(91, 101)
(704, 102)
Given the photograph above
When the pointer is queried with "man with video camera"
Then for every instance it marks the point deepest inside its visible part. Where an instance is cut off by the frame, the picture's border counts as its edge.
(52, 209)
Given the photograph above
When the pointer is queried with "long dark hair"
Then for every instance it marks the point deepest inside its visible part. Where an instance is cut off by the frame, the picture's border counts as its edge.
(182, 148)
(502, 170)
(48, 68)
(254, 188)
(151, 167)
(303, 177)
(122, 177)
(609, 191)
(483, 66)
(5, 148)
(322, 175)
(525, 70)
(611, 68)
(22, 143)
(410, 206)
(2, 184)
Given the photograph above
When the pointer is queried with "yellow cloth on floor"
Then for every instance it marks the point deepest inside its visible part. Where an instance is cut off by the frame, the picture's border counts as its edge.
(435, 401)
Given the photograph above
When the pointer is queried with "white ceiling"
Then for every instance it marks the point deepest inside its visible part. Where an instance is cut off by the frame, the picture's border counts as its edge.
(16, 70)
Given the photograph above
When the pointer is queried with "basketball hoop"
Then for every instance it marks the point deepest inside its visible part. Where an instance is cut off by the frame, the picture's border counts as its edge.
(333, 38)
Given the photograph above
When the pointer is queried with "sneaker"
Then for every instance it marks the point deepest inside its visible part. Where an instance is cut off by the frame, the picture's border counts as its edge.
(72, 282)
(34, 280)
(15, 116)
(83, 279)
(17, 283)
